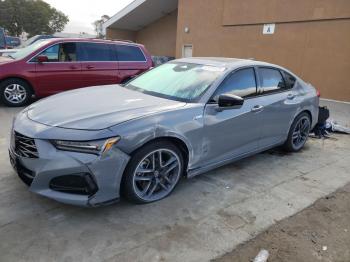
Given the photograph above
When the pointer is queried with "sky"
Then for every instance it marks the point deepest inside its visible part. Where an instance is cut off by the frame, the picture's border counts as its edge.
(82, 13)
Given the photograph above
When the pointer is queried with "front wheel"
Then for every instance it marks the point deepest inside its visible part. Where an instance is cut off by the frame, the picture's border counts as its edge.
(153, 172)
(15, 92)
(298, 133)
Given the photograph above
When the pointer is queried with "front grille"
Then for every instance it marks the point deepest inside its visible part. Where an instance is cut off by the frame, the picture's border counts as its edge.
(25, 146)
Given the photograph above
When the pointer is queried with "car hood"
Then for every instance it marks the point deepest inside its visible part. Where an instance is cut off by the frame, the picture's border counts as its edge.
(5, 60)
(96, 108)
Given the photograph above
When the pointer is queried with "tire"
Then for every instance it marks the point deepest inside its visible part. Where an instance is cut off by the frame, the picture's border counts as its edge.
(298, 133)
(15, 92)
(154, 181)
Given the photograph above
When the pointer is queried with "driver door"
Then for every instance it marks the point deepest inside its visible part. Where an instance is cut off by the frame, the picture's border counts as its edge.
(61, 72)
(233, 132)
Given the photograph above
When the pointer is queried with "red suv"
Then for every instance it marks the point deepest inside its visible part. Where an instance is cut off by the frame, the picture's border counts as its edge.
(55, 65)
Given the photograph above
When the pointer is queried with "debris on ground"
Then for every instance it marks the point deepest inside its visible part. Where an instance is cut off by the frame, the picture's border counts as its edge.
(324, 126)
(262, 256)
(317, 233)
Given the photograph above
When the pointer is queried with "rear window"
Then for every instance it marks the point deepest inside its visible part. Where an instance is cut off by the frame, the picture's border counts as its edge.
(290, 80)
(130, 53)
(96, 52)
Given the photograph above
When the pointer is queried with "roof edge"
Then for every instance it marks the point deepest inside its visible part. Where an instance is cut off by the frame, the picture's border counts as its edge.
(126, 10)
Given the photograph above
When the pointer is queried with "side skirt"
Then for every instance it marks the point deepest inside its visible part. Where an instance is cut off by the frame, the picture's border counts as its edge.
(200, 170)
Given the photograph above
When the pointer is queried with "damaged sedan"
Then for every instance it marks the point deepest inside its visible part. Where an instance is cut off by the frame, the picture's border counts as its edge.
(91, 146)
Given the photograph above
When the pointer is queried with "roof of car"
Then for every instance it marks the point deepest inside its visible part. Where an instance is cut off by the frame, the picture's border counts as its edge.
(94, 40)
(223, 61)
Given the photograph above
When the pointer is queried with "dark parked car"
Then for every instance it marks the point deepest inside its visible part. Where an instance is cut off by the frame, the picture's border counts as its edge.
(54, 65)
(2, 38)
(12, 42)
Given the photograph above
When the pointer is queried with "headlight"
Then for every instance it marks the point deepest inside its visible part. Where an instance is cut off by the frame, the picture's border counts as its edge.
(91, 147)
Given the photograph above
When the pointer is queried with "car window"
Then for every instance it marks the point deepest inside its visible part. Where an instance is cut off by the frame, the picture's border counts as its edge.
(290, 80)
(96, 52)
(271, 80)
(130, 53)
(64, 52)
(240, 83)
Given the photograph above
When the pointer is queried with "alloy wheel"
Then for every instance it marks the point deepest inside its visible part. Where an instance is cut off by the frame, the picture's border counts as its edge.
(301, 132)
(156, 175)
(15, 93)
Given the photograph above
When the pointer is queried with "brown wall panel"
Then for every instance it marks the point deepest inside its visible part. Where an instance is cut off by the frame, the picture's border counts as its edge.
(113, 33)
(318, 51)
(237, 12)
(160, 37)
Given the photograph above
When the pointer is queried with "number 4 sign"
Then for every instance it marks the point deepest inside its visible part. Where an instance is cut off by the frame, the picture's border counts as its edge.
(269, 29)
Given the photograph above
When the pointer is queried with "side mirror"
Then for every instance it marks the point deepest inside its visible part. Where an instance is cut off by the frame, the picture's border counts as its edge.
(42, 58)
(228, 100)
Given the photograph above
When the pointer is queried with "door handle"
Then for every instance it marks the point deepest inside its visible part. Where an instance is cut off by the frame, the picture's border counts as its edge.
(73, 67)
(290, 96)
(257, 108)
(90, 67)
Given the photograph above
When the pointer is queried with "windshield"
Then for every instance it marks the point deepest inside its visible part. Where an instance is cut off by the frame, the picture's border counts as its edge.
(23, 52)
(178, 81)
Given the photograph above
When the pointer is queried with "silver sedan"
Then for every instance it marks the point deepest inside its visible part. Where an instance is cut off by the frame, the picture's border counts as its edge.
(90, 146)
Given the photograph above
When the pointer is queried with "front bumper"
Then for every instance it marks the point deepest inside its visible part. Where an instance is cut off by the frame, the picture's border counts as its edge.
(102, 174)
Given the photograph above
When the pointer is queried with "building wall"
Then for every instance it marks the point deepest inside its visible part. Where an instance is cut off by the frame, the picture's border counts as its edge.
(113, 33)
(312, 38)
(158, 37)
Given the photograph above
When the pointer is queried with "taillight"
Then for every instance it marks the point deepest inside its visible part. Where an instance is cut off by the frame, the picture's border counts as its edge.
(318, 93)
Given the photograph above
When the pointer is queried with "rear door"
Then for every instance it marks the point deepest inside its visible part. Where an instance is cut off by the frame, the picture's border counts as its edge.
(132, 61)
(280, 103)
(99, 63)
(61, 72)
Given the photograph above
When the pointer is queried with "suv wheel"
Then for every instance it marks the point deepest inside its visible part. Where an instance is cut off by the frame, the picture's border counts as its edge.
(15, 92)
(153, 172)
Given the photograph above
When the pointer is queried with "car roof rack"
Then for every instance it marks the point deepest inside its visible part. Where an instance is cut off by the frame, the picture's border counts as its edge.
(121, 40)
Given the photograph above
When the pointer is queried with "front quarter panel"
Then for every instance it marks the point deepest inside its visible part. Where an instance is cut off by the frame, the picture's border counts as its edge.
(185, 124)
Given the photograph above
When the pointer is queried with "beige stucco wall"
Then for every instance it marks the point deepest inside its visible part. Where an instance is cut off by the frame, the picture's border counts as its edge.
(158, 37)
(113, 33)
(314, 44)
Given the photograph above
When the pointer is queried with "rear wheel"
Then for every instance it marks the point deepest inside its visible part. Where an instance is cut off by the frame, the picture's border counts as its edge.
(15, 92)
(153, 172)
(298, 133)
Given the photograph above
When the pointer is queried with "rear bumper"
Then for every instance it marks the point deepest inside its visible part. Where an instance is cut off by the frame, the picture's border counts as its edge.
(88, 180)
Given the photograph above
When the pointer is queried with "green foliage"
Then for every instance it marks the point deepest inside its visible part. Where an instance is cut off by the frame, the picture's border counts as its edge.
(31, 16)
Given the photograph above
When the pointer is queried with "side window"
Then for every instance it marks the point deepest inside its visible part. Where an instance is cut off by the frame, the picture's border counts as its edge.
(51, 53)
(271, 80)
(290, 80)
(64, 52)
(96, 52)
(130, 53)
(241, 83)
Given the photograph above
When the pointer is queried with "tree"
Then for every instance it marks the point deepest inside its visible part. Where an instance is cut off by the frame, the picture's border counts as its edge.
(98, 26)
(31, 16)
